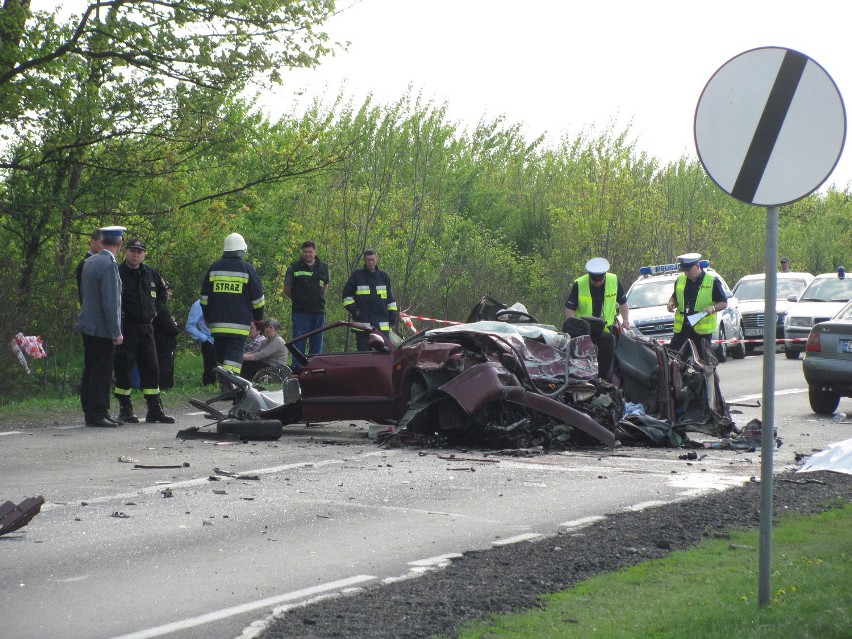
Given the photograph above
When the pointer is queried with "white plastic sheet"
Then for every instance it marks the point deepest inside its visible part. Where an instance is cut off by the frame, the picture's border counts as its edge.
(837, 457)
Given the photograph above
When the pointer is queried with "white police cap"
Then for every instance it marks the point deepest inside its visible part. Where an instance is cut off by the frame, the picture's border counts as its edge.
(597, 266)
(688, 259)
(113, 231)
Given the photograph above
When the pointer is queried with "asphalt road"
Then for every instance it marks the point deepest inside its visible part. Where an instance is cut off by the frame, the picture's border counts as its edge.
(111, 555)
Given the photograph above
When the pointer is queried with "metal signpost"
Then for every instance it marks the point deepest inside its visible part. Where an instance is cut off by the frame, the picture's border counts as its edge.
(769, 129)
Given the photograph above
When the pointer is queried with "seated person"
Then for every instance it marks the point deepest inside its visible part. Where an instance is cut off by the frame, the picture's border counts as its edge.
(255, 336)
(272, 352)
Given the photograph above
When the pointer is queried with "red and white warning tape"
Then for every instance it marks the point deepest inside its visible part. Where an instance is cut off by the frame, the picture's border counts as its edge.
(406, 319)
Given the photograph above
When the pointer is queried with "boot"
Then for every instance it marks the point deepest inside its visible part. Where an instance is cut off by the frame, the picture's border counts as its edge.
(125, 413)
(155, 411)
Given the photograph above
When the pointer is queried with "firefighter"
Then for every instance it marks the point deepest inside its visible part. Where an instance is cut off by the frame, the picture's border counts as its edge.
(142, 289)
(231, 297)
(369, 298)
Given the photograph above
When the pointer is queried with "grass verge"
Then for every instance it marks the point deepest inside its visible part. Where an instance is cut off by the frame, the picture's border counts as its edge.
(709, 592)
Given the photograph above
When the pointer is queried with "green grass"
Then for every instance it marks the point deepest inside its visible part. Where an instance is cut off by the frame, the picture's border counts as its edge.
(709, 592)
(38, 399)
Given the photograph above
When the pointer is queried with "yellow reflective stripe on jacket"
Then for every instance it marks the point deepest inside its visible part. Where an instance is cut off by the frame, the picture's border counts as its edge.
(392, 306)
(228, 328)
(260, 301)
(707, 324)
(348, 300)
(584, 298)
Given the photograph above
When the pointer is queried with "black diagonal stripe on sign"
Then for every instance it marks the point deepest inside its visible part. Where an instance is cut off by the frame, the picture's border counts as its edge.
(766, 134)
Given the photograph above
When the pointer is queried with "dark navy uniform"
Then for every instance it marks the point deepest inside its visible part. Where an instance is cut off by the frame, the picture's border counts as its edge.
(142, 289)
(231, 298)
(369, 298)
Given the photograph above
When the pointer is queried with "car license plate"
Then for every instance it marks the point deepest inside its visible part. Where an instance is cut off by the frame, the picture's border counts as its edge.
(753, 332)
(846, 345)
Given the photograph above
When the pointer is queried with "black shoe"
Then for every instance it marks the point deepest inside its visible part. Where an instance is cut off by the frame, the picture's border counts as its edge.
(102, 422)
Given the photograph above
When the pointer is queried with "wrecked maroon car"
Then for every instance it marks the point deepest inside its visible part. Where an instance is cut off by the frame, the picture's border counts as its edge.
(502, 379)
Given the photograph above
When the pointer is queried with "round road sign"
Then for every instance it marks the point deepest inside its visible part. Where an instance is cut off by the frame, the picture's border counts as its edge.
(770, 126)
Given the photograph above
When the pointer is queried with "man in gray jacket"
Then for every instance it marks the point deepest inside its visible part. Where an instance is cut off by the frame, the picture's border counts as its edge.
(100, 325)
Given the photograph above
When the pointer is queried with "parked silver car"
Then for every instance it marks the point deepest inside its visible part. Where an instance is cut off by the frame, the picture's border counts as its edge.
(828, 362)
(751, 293)
(819, 302)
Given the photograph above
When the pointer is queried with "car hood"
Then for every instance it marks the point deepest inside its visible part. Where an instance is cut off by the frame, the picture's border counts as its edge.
(650, 314)
(757, 306)
(815, 309)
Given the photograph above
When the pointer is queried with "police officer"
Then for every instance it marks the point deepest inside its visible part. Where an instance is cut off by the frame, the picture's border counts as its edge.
(231, 297)
(96, 245)
(696, 291)
(369, 298)
(142, 290)
(600, 294)
(100, 325)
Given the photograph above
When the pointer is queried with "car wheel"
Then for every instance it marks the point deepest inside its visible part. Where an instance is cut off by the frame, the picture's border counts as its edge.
(823, 402)
(791, 354)
(256, 429)
(750, 348)
(738, 350)
(721, 349)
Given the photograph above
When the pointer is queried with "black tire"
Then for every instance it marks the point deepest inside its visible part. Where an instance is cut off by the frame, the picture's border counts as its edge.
(750, 348)
(253, 429)
(823, 402)
(738, 351)
(721, 349)
(791, 354)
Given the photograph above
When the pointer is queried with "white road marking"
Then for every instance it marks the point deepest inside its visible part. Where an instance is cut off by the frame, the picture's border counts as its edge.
(436, 561)
(747, 398)
(516, 539)
(198, 482)
(217, 615)
(582, 522)
(645, 504)
(12, 432)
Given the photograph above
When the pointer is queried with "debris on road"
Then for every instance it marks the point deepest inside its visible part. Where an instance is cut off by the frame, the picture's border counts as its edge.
(120, 515)
(225, 473)
(468, 459)
(14, 516)
(156, 466)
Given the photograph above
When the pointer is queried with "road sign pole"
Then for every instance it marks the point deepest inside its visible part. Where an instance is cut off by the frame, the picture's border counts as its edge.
(767, 437)
(769, 129)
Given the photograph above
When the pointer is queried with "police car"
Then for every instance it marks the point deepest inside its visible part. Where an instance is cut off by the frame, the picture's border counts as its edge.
(649, 295)
(820, 301)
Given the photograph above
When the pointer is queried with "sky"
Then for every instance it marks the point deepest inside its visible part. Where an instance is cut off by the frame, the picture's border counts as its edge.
(559, 67)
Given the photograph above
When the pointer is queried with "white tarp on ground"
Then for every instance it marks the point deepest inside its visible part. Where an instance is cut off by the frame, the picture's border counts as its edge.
(837, 457)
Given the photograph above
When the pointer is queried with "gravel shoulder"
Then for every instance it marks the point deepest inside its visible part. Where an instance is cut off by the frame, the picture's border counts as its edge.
(507, 578)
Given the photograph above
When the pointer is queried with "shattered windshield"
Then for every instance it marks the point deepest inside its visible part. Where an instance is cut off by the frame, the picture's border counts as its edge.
(514, 333)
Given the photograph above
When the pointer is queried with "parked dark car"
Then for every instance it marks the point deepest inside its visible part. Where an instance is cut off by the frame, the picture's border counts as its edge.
(828, 362)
